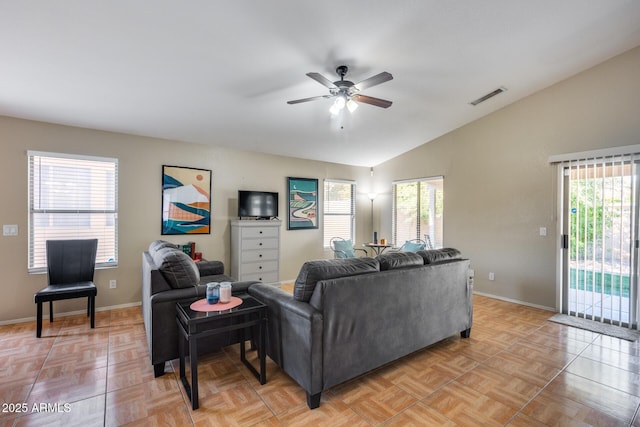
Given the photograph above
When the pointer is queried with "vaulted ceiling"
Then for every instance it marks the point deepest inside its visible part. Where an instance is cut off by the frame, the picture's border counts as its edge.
(221, 72)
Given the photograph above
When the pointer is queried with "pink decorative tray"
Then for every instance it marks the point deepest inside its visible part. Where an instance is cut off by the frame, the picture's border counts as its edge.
(202, 305)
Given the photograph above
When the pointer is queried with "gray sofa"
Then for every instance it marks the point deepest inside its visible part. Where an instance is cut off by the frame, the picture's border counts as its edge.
(349, 316)
(170, 276)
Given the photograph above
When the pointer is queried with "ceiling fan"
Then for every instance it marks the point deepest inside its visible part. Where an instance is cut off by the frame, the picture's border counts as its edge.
(346, 92)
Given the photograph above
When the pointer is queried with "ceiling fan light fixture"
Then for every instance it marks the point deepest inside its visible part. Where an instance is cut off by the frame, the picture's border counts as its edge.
(352, 105)
(338, 104)
(346, 93)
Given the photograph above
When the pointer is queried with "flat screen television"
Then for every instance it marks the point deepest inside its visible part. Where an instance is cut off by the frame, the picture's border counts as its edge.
(257, 204)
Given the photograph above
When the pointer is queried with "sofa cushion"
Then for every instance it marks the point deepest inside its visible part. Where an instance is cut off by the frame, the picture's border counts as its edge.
(395, 260)
(159, 244)
(344, 249)
(179, 270)
(433, 256)
(313, 271)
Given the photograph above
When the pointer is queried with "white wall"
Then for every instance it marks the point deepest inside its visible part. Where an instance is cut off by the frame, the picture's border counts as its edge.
(499, 187)
(140, 194)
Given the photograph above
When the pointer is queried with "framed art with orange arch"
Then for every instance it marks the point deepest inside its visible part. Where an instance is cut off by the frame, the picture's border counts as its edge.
(186, 200)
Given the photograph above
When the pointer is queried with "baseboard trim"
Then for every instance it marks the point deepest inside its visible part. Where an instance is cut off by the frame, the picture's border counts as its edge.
(515, 301)
(278, 284)
(70, 313)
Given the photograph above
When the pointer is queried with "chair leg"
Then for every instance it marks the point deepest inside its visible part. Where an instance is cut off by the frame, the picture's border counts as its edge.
(51, 311)
(39, 320)
(88, 306)
(92, 305)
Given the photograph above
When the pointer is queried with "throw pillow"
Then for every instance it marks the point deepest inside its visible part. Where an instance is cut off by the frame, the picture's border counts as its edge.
(179, 270)
(412, 246)
(159, 244)
(344, 249)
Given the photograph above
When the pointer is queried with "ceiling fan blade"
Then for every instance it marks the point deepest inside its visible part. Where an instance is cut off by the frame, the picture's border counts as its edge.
(322, 80)
(372, 81)
(383, 103)
(313, 98)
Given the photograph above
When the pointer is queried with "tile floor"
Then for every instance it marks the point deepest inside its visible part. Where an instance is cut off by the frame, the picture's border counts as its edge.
(517, 369)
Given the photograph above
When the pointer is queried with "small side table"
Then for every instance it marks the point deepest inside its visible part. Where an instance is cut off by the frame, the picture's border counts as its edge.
(377, 247)
(194, 325)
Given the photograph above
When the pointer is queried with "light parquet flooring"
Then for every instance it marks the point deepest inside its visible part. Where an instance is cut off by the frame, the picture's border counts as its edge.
(517, 369)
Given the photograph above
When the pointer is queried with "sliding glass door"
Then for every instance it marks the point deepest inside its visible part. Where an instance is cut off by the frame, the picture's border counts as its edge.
(600, 239)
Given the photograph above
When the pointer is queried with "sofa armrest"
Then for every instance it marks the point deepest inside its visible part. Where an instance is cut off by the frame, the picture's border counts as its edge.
(152, 279)
(210, 268)
(294, 335)
(242, 287)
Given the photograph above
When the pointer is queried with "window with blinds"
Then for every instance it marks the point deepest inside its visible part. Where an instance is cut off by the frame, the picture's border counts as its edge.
(339, 210)
(418, 211)
(72, 197)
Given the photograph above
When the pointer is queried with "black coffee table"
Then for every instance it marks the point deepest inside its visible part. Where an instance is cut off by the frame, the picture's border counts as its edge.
(196, 325)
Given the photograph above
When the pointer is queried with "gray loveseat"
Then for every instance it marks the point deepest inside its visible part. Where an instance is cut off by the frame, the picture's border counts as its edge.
(170, 276)
(349, 316)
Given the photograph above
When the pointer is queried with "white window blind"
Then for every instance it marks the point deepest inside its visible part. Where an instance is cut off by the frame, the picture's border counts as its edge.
(418, 211)
(72, 197)
(339, 210)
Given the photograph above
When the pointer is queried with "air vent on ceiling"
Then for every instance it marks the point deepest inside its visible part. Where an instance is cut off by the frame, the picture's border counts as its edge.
(489, 95)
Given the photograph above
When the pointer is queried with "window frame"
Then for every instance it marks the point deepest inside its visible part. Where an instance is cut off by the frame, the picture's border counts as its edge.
(435, 242)
(36, 248)
(325, 205)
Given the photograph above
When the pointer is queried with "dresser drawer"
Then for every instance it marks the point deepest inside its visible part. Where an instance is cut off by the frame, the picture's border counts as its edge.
(259, 243)
(258, 267)
(259, 255)
(255, 250)
(266, 277)
(255, 232)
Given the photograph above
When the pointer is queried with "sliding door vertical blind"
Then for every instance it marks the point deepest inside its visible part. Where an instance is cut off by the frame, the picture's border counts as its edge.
(600, 238)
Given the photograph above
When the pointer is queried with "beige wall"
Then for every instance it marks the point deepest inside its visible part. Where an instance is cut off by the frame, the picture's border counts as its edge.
(140, 193)
(500, 188)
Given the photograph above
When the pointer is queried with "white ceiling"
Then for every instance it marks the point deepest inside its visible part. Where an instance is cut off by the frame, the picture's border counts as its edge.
(220, 72)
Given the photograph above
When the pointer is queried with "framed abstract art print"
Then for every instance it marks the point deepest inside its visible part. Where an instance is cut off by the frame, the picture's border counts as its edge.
(303, 203)
(186, 200)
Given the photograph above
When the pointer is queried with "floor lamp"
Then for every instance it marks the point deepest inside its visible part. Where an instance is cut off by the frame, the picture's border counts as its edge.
(372, 197)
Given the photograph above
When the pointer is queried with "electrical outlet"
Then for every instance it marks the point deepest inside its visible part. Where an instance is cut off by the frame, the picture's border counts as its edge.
(492, 276)
(112, 284)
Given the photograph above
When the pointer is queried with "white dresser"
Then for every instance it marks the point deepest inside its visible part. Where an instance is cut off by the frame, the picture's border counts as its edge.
(255, 250)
